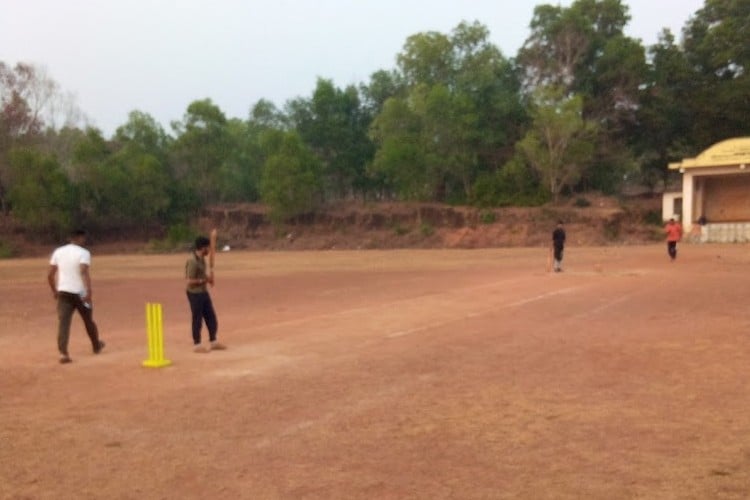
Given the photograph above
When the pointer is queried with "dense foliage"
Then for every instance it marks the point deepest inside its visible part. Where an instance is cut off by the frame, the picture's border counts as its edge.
(581, 107)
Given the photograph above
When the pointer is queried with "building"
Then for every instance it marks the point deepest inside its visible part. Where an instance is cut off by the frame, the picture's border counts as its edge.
(714, 204)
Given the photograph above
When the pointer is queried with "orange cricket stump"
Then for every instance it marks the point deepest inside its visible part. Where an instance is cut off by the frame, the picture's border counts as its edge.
(155, 335)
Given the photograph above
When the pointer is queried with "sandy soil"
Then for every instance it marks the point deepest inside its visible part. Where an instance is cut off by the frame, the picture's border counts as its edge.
(387, 375)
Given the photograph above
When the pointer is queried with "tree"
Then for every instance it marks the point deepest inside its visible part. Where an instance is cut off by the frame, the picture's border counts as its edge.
(29, 101)
(291, 180)
(400, 157)
(240, 173)
(449, 131)
(242, 170)
(427, 59)
(663, 125)
(457, 116)
(265, 115)
(382, 86)
(715, 45)
(334, 125)
(202, 146)
(89, 176)
(559, 144)
(41, 195)
(582, 50)
(144, 134)
(140, 166)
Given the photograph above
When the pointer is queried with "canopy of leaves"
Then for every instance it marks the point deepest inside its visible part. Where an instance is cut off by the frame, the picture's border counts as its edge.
(581, 106)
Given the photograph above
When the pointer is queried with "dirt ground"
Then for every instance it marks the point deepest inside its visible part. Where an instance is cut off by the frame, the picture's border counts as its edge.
(430, 374)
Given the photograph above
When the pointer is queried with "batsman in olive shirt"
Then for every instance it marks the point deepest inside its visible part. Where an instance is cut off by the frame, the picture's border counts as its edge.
(201, 307)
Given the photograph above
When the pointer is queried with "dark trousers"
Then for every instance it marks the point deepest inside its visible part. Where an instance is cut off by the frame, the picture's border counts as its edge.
(202, 309)
(558, 252)
(672, 249)
(66, 304)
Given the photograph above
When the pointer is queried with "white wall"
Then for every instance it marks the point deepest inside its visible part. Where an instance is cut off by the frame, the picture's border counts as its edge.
(667, 205)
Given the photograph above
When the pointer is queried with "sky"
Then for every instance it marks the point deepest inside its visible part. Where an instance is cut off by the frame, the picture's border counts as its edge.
(158, 56)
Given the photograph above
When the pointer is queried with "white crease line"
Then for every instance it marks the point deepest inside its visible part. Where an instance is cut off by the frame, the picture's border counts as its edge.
(419, 328)
(542, 296)
(355, 310)
(604, 306)
(402, 333)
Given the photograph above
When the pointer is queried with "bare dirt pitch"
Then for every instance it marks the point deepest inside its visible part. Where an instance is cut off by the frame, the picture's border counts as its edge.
(388, 375)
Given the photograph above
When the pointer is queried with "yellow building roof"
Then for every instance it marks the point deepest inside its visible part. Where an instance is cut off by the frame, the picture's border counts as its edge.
(730, 152)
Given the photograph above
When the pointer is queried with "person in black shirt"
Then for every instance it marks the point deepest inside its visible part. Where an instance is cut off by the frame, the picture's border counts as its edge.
(558, 244)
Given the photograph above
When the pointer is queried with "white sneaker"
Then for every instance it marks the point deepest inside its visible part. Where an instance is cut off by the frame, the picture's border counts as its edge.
(201, 349)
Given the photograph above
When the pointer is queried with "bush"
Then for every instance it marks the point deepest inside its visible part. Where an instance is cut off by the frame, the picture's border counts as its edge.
(487, 217)
(652, 218)
(179, 237)
(426, 229)
(6, 251)
(400, 230)
(612, 229)
(513, 185)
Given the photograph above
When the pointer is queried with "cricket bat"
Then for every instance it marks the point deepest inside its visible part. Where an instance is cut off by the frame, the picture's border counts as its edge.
(212, 253)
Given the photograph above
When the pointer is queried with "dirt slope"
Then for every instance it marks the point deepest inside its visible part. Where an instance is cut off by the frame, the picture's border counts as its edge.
(358, 225)
(427, 225)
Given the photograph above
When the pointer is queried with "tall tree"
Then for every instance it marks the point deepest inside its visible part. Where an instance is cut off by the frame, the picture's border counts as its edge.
(382, 85)
(715, 44)
(461, 112)
(144, 134)
(89, 176)
(240, 172)
(583, 50)
(140, 161)
(30, 102)
(42, 196)
(200, 149)
(20, 124)
(334, 125)
(400, 159)
(663, 129)
(558, 144)
(291, 176)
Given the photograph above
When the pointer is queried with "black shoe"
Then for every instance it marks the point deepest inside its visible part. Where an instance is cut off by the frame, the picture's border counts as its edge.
(99, 348)
(65, 359)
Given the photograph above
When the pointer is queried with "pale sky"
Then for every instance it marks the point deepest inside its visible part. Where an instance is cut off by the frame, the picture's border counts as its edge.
(157, 56)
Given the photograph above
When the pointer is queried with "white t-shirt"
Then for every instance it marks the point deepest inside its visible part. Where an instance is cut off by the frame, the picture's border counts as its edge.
(68, 260)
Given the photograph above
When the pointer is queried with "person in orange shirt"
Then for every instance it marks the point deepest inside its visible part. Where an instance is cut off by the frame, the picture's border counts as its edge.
(674, 234)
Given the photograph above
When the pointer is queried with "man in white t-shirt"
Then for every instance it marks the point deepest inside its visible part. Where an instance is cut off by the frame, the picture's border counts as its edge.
(70, 282)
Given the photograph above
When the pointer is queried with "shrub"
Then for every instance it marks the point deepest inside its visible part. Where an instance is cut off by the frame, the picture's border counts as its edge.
(653, 218)
(612, 229)
(487, 217)
(6, 251)
(426, 229)
(179, 237)
(400, 230)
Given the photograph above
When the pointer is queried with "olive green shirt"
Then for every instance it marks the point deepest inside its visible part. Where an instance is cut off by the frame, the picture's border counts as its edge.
(195, 268)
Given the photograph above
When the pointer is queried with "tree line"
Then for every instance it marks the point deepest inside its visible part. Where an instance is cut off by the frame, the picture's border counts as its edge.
(580, 107)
